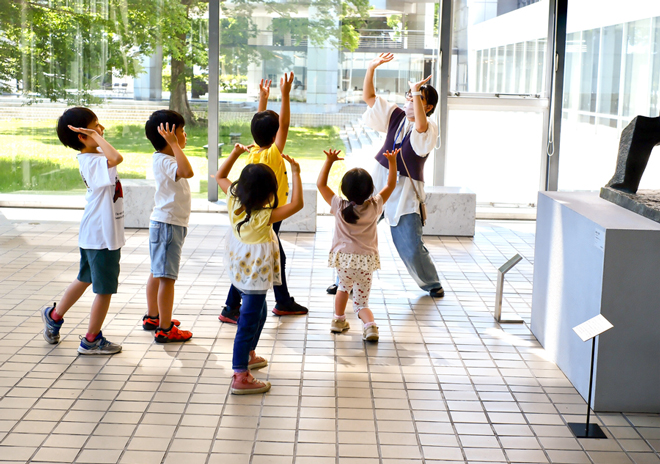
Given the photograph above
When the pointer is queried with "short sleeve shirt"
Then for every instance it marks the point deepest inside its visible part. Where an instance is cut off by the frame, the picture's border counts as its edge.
(173, 201)
(272, 157)
(256, 230)
(102, 224)
(360, 238)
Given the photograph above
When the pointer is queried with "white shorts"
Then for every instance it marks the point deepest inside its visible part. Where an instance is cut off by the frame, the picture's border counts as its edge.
(359, 281)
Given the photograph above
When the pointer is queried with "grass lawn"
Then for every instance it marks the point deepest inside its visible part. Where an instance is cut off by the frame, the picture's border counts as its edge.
(34, 161)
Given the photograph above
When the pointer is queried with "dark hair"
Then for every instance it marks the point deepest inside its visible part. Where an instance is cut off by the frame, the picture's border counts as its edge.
(265, 125)
(431, 96)
(155, 120)
(356, 185)
(76, 117)
(256, 186)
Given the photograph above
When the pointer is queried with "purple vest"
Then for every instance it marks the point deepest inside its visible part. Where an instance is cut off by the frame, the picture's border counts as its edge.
(414, 162)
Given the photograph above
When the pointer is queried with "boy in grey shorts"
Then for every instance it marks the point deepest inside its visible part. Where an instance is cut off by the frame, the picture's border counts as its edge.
(169, 222)
(101, 233)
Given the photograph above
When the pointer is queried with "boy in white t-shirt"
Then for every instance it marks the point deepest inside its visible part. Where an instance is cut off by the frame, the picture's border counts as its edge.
(101, 234)
(169, 222)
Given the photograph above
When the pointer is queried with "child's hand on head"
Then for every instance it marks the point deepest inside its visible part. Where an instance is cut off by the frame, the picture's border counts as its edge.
(264, 88)
(295, 167)
(391, 156)
(333, 155)
(85, 131)
(239, 149)
(285, 84)
(168, 134)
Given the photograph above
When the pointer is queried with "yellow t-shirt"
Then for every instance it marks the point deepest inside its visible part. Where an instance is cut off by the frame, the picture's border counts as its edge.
(256, 230)
(272, 157)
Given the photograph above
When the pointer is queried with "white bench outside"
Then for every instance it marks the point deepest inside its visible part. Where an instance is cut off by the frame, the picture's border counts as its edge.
(450, 211)
(138, 202)
(305, 219)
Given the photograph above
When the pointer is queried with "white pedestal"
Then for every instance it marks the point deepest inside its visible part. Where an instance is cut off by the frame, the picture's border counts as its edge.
(305, 219)
(450, 210)
(593, 257)
(138, 202)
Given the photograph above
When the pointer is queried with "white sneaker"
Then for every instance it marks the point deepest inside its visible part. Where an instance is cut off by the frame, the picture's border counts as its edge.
(338, 326)
(370, 334)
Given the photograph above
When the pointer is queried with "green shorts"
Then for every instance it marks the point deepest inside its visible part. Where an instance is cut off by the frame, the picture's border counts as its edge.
(101, 269)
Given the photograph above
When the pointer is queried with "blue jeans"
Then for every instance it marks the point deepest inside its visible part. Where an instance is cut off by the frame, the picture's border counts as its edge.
(281, 292)
(250, 325)
(407, 237)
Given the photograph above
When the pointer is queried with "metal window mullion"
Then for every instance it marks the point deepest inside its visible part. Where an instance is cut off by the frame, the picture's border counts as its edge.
(445, 36)
(214, 85)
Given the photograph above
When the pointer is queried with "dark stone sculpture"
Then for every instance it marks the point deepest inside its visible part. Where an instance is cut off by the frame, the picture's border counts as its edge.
(635, 146)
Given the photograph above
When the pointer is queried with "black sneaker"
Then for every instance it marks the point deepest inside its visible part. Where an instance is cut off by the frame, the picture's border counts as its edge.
(332, 289)
(291, 309)
(437, 293)
(230, 315)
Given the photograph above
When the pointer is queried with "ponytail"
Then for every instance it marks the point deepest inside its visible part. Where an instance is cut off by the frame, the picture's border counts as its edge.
(349, 213)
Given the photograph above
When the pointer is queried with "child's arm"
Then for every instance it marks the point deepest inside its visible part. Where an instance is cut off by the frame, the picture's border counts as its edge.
(264, 93)
(183, 168)
(282, 212)
(391, 175)
(285, 113)
(322, 182)
(113, 156)
(225, 168)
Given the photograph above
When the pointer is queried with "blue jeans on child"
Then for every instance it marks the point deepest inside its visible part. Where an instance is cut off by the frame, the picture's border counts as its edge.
(250, 325)
(407, 237)
(281, 292)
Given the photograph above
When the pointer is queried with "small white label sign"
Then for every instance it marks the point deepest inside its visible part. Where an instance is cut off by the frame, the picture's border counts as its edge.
(599, 239)
(594, 326)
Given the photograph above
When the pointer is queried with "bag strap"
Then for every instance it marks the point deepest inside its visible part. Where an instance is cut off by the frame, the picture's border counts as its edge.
(411, 180)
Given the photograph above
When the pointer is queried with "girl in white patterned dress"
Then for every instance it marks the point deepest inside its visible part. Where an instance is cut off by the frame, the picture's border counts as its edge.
(354, 251)
(252, 256)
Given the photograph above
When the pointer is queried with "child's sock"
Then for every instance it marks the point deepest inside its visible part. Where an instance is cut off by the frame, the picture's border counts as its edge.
(54, 316)
(340, 318)
(90, 337)
(168, 329)
(369, 324)
(240, 371)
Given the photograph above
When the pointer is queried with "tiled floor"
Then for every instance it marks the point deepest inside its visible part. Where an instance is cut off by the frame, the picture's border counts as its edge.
(444, 384)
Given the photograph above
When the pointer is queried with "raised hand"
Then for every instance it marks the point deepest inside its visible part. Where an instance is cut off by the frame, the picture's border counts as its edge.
(169, 135)
(414, 86)
(85, 131)
(295, 167)
(264, 88)
(381, 59)
(333, 155)
(239, 149)
(285, 83)
(391, 156)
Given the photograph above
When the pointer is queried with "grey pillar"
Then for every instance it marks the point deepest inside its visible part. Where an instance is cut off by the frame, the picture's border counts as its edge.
(214, 83)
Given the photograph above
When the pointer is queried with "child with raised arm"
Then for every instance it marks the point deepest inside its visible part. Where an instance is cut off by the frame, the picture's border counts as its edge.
(168, 225)
(354, 249)
(101, 233)
(253, 253)
(269, 131)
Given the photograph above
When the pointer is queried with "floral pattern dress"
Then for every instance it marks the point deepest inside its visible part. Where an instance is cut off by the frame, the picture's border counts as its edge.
(253, 256)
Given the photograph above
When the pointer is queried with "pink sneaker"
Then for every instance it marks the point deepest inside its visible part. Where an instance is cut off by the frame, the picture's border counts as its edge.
(245, 384)
(256, 362)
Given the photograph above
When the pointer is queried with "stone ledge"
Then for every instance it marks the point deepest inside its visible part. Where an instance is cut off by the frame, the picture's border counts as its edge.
(451, 211)
(645, 202)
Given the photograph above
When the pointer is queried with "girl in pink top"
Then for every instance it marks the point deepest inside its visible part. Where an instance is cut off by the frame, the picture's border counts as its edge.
(354, 251)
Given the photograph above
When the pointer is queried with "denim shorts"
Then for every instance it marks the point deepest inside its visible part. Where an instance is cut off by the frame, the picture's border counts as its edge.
(165, 243)
(101, 269)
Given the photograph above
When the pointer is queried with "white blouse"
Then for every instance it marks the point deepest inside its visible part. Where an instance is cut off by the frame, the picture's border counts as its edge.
(403, 200)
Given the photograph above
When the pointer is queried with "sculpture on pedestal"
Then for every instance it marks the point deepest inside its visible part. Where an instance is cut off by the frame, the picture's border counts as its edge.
(637, 141)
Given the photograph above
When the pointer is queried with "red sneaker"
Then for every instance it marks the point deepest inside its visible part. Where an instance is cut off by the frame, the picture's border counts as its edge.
(152, 323)
(256, 362)
(245, 384)
(174, 334)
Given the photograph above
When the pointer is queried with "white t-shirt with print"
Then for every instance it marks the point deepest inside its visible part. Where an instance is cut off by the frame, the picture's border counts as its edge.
(102, 224)
(173, 200)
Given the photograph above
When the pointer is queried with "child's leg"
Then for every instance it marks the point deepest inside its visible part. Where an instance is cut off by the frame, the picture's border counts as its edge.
(260, 327)
(153, 285)
(97, 316)
(71, 295)
(361, 291)
(345, 284)
(165, 301)
(249, 329)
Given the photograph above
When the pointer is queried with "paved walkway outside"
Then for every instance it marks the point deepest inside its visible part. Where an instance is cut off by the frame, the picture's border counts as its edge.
(445, 383)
